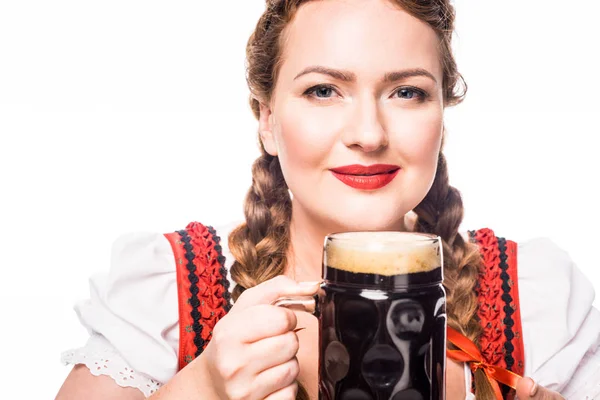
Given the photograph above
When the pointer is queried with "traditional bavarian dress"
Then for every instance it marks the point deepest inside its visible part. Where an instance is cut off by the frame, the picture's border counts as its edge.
(204, 297)
(154, 312)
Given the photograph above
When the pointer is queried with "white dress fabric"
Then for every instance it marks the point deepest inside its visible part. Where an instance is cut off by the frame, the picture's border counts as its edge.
(132, 317)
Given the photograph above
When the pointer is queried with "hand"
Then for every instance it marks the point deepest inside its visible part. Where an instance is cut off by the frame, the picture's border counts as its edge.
(252, 353)
(528, 389)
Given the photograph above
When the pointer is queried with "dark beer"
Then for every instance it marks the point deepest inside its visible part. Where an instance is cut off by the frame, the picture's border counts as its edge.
(383, 321)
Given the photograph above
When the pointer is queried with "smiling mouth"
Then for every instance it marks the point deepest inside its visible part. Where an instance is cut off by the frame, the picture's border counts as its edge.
(362, 177)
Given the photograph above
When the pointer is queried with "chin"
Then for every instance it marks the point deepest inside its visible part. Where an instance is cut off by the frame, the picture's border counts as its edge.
(366, 219)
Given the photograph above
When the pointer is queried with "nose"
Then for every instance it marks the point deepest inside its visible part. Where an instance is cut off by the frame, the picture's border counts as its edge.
(365, 127)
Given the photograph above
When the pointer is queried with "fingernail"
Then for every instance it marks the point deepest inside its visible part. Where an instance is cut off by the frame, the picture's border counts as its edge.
(298, 330)
(534, 389)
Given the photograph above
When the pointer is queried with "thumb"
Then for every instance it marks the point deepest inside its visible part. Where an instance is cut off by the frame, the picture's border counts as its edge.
(527, 388)
(269, 291)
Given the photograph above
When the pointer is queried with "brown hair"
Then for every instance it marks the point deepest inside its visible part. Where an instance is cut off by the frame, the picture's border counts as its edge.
(260, 245)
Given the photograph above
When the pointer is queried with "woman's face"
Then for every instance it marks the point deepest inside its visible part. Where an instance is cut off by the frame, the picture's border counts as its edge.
(356, 116)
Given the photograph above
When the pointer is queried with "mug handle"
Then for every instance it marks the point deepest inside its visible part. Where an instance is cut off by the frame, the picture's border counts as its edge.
(307, 304)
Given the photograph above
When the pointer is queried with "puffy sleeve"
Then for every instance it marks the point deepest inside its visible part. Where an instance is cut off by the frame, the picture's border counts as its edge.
(561, 328)
(132, 315)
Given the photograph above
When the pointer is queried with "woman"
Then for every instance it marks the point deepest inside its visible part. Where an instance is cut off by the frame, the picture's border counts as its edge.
(350, 97)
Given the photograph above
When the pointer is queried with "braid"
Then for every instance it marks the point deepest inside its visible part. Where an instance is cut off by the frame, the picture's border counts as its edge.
(259, 245)
(441, 213)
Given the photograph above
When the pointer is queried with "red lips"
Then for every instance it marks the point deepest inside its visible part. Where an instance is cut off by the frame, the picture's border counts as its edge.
(366, 177)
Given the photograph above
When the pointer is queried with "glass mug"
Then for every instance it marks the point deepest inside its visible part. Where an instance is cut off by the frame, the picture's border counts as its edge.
(382, 317)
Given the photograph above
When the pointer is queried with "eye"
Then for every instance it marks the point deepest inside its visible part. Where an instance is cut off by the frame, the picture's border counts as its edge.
(320, 91)
(410, 93)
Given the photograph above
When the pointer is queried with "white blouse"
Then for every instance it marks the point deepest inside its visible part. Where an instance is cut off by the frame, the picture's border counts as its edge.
(132, 317)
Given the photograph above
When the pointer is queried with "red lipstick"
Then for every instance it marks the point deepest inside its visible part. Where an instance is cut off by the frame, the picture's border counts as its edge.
(362, 177)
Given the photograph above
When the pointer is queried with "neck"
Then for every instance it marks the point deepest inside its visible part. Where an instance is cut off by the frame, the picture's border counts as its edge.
(307, 239)
(306, 250)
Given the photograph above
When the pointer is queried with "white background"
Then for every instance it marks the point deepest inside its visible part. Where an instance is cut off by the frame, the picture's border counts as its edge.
(119, 116)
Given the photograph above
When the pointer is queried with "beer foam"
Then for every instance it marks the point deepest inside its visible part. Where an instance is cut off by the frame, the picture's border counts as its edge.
(383, 253)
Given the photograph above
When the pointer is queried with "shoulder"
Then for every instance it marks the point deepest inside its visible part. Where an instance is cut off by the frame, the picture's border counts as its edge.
(560, 324)
(142, 258)
(538, 259)
(131, 249)
(549, 271)
(537, 251)
(158, 246)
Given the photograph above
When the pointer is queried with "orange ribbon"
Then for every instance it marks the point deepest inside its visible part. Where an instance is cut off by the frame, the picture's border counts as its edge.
(468, 352)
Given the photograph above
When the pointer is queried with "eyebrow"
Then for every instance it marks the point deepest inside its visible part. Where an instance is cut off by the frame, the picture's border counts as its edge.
(347, 76)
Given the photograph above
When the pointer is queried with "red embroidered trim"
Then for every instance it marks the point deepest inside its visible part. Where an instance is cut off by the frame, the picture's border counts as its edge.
(489, 293)
(211, 289)
(517, 341)
(186, 334)
(498, 294)
(200, 292)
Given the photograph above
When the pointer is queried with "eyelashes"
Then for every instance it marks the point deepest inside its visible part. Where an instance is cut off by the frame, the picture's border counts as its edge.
(411, 93)
(311, 92)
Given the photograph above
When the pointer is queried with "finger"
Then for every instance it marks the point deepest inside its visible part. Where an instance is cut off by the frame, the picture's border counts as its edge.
(274, 351)
(287, 393)
(276, 378)
(265, 321)
(273, 289)
(527, 388)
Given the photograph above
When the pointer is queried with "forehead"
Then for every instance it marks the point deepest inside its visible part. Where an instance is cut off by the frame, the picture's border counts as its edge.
(367, 37)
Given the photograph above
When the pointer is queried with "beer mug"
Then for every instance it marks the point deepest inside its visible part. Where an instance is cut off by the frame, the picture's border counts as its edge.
(382, 317)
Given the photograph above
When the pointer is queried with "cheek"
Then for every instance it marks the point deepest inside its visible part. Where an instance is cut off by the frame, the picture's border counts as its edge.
(418, 138)
(305, 138)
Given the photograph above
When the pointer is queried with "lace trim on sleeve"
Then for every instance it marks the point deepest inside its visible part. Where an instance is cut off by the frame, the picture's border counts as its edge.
(102, 359)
